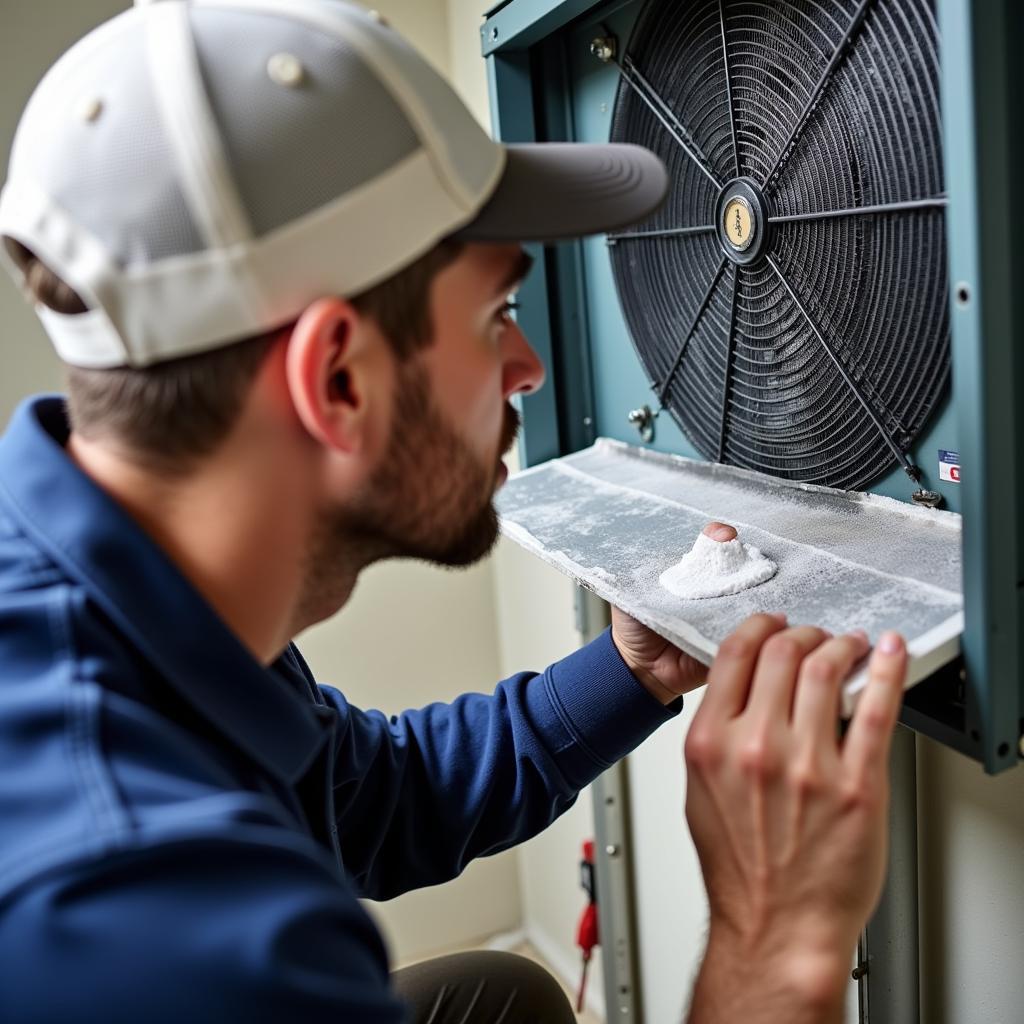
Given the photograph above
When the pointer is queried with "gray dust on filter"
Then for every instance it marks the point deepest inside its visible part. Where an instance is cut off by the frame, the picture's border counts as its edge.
(716, 569)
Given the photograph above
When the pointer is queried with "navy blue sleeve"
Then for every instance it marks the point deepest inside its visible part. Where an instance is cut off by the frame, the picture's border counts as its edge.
(197, 931)
(420, 794)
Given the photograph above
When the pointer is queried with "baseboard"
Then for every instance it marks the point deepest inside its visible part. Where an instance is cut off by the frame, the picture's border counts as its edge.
(505, 942)
(567, 968)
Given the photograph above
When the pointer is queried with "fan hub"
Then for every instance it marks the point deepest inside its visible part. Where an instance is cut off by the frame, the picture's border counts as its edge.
(742, 220)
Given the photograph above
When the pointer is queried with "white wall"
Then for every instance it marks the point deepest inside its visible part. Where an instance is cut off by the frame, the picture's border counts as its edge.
(971, 838)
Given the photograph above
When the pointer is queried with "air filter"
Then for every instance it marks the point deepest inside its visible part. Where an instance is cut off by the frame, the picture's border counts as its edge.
(789, 301)
(614, 518)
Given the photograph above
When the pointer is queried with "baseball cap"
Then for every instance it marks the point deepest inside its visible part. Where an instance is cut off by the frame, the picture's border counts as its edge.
(200, 171)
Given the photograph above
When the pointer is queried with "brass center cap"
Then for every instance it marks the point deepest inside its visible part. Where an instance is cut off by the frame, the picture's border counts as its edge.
(740, 223)
(743, 221)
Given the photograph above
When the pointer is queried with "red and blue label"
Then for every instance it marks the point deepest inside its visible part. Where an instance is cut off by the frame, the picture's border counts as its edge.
(949, 466)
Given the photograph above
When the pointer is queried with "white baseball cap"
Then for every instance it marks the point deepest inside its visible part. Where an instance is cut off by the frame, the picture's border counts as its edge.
(200, 171)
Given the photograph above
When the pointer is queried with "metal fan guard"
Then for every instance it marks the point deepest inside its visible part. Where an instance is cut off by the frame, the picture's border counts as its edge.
(818, 350)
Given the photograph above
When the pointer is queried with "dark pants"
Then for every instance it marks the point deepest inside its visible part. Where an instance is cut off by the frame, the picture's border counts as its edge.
(482, 988)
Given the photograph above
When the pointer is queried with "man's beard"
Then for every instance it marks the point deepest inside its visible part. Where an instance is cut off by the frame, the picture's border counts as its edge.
(431, 497)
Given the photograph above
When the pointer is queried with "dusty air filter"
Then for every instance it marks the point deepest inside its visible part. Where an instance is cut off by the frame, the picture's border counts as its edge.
(789, 301)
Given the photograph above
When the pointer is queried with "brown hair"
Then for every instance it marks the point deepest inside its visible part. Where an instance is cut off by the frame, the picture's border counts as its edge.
(173, 413)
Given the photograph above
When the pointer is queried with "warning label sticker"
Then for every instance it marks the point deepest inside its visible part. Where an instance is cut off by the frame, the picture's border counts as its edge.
(949, 466)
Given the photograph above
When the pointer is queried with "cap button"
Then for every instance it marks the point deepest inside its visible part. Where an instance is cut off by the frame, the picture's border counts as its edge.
(286, 69)
(91, 109)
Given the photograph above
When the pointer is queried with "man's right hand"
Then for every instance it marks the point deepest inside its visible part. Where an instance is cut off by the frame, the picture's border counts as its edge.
(789, 821)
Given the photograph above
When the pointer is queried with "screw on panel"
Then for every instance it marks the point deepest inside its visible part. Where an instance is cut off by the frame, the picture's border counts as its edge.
(603, 48)
(612, 849)
(494, 33)
(929, 499)
(643, 420)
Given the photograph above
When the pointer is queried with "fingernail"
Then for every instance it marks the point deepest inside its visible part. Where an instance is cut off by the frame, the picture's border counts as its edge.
(890, 643)
(859, 634)
(720, 532)
(780, 617)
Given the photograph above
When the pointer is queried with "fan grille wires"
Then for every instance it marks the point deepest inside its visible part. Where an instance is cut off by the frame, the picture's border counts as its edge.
(822, 358)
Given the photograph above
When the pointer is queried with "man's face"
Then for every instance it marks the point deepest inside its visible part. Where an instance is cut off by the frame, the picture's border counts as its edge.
(431, 494)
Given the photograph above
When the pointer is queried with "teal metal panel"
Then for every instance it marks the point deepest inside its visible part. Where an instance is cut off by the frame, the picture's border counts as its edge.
(570, 324)
(977, 66)
(522, 23)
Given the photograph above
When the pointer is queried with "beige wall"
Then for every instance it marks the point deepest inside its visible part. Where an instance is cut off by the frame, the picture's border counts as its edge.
(423, 22)
(33, 33)
(468, 70)
(971, 838)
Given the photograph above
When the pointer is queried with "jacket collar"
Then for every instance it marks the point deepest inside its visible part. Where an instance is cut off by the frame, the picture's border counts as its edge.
(101, 547)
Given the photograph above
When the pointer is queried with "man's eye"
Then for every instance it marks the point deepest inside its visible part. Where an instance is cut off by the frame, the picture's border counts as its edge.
(507, 308)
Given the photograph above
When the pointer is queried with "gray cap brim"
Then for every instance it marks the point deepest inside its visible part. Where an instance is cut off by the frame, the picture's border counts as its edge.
(553, 191)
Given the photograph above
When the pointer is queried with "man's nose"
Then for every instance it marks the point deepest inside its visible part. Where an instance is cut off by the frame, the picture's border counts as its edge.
(523, 372)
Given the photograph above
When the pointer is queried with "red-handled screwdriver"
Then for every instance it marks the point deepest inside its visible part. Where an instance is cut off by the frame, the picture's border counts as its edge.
(587, 929)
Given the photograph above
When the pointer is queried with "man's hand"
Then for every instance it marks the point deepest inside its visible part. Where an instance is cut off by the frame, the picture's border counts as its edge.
(789, 821)
(660, 666)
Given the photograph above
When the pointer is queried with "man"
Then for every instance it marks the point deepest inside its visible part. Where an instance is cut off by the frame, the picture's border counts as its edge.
(275, 254)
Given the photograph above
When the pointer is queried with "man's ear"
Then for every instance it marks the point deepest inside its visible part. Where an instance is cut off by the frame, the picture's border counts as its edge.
(328, 368)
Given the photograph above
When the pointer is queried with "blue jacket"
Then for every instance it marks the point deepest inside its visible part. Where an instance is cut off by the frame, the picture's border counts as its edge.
(183, 832)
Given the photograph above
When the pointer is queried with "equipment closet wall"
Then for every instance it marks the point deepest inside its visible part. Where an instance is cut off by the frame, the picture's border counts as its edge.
(547, 83)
